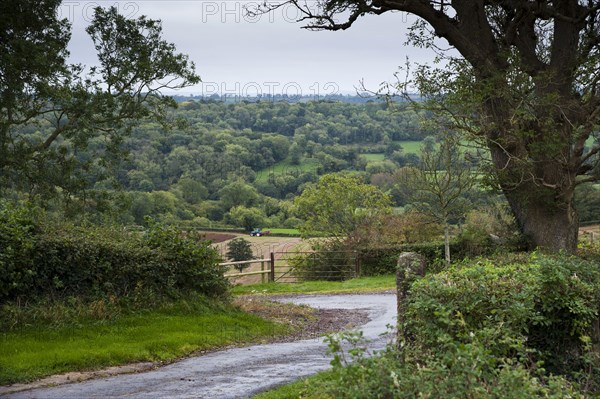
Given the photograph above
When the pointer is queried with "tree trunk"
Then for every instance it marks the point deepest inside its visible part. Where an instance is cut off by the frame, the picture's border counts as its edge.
(538, 177)
(552, 226)
(447, 242)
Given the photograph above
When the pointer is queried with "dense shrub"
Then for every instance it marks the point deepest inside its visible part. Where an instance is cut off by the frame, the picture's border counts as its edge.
(17, 240)
(518, 327)
(410, 227)
(484, 233)
(544, 290)
(589, 251)
(568, 298)
(457, 303)
(56, 262)
(459, 371)
(191, 264)
(484, 229)
(375, 261)
(550, 304)
(379, 261)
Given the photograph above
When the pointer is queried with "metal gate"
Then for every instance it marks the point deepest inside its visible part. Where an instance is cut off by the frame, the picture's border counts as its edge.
(292, 267)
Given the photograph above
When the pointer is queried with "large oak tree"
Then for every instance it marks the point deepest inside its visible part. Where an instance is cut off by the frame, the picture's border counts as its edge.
(526, 82)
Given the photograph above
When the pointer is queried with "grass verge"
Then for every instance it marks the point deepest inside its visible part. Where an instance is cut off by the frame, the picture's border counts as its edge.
(355, 285)
(164, 334)
(304, 388)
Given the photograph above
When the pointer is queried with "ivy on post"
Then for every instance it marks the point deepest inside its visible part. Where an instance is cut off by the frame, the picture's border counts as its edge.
(411, 266)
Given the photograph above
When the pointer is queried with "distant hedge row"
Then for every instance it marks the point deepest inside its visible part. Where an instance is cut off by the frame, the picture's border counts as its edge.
(58, 261)
(325, 263)
(379, 261)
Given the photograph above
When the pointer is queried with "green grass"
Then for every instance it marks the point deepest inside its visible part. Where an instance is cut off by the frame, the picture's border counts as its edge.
(291, 232)
(165, 335)
(358, 285)
(304, 388)
(411, 146)
(374, 157)
(285, 167)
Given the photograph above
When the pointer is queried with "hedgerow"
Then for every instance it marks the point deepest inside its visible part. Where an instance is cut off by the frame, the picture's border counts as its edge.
(17, 242)
(550, 303)
(513, 327)
(41, 261)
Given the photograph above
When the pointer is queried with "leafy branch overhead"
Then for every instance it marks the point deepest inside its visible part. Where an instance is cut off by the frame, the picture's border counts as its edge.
(82, 105)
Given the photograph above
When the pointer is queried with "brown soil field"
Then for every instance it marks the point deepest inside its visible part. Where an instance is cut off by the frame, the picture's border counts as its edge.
(595, 228)
(217, 237)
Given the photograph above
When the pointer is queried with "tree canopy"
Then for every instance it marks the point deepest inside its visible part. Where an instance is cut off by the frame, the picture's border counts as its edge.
(66, 106)
(338, 205)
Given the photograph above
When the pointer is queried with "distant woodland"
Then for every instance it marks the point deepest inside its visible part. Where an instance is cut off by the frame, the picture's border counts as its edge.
(218, 163)
(239, 163)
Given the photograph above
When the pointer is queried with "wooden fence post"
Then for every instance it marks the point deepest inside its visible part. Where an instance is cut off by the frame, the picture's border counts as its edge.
(272, 267)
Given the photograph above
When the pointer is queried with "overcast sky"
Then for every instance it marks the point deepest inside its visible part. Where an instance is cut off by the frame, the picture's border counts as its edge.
(240, 55)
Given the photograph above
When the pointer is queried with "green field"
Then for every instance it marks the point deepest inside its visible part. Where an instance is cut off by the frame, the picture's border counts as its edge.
(411, 146)
(290, 232)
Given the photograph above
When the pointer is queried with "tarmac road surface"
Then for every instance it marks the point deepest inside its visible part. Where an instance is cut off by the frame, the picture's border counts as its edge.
(238, 372)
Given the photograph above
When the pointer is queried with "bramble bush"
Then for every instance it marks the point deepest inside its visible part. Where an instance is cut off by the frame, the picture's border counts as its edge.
(550, 302)
(460, 371)
(192, 264)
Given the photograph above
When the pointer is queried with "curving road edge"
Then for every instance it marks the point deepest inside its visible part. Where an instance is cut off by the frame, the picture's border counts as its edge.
(238, 372)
